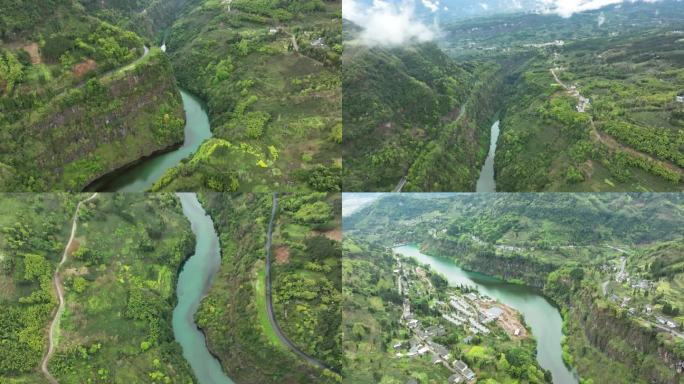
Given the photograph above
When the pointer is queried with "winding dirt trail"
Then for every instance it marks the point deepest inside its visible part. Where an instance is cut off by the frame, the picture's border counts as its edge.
(57, 281)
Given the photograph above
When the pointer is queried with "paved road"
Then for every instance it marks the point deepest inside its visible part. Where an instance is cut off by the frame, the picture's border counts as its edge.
(269, 298)
(60, 295)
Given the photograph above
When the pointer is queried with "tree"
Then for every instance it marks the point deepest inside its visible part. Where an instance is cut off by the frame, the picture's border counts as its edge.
(320, 247)
(11, 71)
(318, 212)
(79, 284)
(35, 266)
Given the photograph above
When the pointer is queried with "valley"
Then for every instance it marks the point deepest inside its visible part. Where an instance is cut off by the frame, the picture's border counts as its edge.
(582, 105)
(90, 103)
(128, 287)
(615, 287)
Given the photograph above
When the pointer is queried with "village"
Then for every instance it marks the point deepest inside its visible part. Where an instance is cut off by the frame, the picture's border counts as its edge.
(631, 292)
(470, 312)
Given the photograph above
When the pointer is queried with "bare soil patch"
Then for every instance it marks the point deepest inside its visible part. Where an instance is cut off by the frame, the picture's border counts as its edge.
(333, 234)
(81, 69)
(34, 52)
(282, 254)
(75, 244)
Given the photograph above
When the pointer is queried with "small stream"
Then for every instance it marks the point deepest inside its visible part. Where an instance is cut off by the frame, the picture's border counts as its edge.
(541, 316)
(486, 181)
(194, 281)
(141, 176)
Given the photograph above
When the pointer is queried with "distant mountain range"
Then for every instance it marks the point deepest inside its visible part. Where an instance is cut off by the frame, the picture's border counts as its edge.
(443, 10)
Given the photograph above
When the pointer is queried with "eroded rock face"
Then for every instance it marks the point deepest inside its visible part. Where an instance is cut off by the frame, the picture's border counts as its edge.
(108, 123)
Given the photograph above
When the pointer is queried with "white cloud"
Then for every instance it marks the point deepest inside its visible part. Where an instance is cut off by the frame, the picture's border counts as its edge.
(432, 5)
(385, 23)
(601, 19)
(484, 6)
(566, 8)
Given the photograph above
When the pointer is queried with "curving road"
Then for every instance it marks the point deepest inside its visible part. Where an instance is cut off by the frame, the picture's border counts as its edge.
(57, 281)
(269, 298)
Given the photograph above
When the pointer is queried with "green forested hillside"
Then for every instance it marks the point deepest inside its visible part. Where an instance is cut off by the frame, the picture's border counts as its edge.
(149, 18)
(612, 262)
(35, 229)
(404, 108)
(609, 119)
(631, 136)
(590, 102)
(306, 280)
(269, 72)
(119, 287)
(78, 97)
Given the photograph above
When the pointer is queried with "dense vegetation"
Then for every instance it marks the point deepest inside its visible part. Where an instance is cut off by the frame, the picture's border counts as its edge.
(149, 18)
(269, 73)
(372, 313)
(404, 108)
(306, 287)
(629, 68)
(403, 105)
(34, 231)
(76, 99)
(119, 283)
(570, 246)
(306, 278)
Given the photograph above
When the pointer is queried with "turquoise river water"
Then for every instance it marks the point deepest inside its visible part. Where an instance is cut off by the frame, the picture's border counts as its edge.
(542, 317)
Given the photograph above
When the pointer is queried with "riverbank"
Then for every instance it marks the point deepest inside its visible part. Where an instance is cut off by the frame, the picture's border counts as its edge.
(193, 283)
(486, 181)
(539, 313)
(141, 174)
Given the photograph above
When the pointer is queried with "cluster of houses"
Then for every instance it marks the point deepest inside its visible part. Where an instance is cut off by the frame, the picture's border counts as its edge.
(460, 312)
(582, 102)
(555, 43)
(622, 277)
(422, 340)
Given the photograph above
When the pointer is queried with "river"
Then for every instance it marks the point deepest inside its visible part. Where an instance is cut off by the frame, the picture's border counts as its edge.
(486, 183)
(193, 284)
(141, 176)
(542, 317)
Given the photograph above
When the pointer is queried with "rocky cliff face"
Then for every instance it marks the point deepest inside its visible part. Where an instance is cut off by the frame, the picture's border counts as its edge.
(104, 124)
(532, 272)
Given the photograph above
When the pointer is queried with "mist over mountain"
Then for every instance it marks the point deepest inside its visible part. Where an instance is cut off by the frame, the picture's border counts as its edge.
(461, 9)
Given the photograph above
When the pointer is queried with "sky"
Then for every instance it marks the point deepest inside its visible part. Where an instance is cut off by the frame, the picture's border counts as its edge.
(397, 22)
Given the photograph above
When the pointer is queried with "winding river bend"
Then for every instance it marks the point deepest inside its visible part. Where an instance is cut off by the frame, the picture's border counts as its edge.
(486, 181)
(542, 317)
(144, 174)
(193, 284)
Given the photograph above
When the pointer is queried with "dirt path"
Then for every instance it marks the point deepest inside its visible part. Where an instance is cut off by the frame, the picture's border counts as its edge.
(60, 295)
(613, 144)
